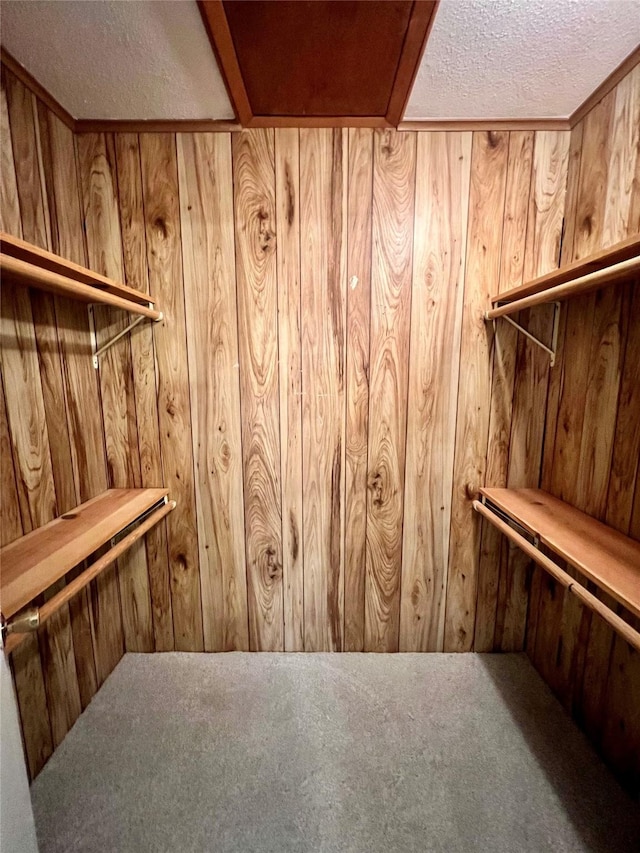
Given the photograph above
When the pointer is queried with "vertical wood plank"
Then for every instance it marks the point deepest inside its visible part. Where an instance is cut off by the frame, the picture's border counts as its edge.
(206, 207)
(440, 231)
(10, 220)
(566, 256)
(542, 250)
(30, 442)
(394, 166)
(125, 586)
(622, 208)
(10, 523)
(493, 564)
(256, 276)
(489, 161)
(87, 469)
(134, 251)
(164, 257)
(323, 299)
(287, 167)
(359, 222)
(625, 463)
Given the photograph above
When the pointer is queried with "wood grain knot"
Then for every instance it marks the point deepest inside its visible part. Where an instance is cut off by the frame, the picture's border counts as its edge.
(295, 539)
(376, 485)
(471, 492)
(291, 205)
(273, 567)
(161, 227)
(266, 237)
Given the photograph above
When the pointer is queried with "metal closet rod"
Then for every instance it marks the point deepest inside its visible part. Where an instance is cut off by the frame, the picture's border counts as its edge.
(32, 617)
(582, 284)
(623, 628)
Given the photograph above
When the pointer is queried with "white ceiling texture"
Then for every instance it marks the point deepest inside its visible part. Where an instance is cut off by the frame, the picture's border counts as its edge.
(520, 58)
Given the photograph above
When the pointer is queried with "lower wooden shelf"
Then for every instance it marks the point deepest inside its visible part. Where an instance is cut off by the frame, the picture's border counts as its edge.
(605, 556)
(31, 564)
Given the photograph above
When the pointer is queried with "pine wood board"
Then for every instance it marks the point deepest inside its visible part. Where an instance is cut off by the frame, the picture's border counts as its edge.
(80, 382)
(492, 566)
(440, 231)
(287, 172)
(164, 259)
(99, 188)
(605, 556)
(206, 197)
(489, 162)
(531, 380)
(256, 277)
(323, 306)
(359, 212)
(394, 165)
(46, 683)
(35, 561)
(157, 629)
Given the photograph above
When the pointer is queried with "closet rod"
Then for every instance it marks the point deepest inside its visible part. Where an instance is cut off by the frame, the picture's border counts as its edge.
(584, 283)
(623, 628)
(32, 617)
(34, 276)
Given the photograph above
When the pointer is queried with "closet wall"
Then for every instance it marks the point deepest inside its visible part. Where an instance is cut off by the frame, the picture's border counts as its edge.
(592, 435)
(316, 399)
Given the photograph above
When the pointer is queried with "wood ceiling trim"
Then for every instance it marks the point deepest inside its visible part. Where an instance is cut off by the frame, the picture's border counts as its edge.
(607, 85)
(39, 91)
(215, 22)
(156, 126)
(421, 21)
(488, 124)
(318, 121)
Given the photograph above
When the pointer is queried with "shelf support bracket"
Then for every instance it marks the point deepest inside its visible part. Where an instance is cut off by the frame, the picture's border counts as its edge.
(552, 350)
(98, 351)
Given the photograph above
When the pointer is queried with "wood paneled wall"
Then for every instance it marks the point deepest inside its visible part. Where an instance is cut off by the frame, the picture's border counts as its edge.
(318, 398)
(591, 454)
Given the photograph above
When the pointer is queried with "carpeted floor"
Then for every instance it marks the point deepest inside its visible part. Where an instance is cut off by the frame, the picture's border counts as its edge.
(367, 753)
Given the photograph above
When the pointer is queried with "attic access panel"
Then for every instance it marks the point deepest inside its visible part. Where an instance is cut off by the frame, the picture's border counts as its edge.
(319, 58)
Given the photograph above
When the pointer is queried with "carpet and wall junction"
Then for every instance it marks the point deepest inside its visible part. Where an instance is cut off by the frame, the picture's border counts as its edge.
(319, 752)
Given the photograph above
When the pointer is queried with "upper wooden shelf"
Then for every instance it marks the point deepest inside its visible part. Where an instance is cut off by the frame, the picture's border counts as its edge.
(29, 265)
(609, 266)
(603, 555)
(31, 564)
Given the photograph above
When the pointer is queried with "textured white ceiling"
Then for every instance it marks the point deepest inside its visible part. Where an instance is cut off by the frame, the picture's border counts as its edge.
(118, 60)
(520, 58)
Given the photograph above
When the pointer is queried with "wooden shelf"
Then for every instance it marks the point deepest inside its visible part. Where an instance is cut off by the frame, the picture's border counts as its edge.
(602, 554)
(31, 564)
(25, 264)
(617, 263)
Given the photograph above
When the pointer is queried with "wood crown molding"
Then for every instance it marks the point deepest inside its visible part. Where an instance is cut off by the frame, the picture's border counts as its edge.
(219, 34)
(487, 124)
(423, 15)
(155, 126)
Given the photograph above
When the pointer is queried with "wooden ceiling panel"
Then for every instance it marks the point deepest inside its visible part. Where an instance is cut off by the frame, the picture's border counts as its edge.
(318, 61)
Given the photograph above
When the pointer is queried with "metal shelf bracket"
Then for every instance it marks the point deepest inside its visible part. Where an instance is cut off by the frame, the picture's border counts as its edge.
(552, 350)
(98, 351)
